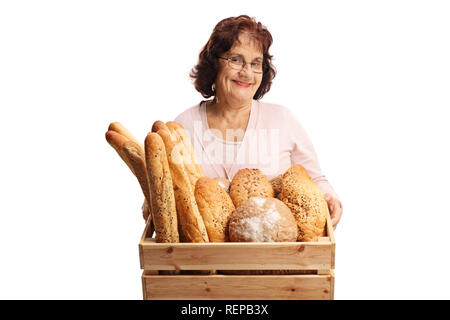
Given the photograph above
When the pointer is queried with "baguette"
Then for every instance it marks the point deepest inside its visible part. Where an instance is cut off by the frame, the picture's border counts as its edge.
(159, 125)
(136, 157)
(116, 140)
(193, 168)
(191, 225)
(119, 128)
(164, 211)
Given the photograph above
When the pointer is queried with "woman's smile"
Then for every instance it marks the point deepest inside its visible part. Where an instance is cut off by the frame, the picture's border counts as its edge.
(241, 83)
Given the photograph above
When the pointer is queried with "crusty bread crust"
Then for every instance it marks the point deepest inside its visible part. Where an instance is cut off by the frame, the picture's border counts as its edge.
(306, 201)
(132, 154)
(116, 140)
(119, 128)
(262, 220)
(249, 183)
(193, 168)
(136, 157)
(191, 225)
(163, 207)
(215, 206)
(159, 125)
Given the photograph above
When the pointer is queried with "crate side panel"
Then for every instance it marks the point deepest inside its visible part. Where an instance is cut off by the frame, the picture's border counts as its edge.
(224, 287)
(236, 256)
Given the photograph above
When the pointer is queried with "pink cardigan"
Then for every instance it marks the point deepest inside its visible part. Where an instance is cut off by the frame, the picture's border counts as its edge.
(274, 140)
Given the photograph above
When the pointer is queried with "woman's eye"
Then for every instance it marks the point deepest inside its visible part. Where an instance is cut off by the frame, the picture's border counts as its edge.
(256, 64)
(236, 59)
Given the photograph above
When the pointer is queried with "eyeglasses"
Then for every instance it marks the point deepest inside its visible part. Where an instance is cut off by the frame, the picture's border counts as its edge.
(238, 63)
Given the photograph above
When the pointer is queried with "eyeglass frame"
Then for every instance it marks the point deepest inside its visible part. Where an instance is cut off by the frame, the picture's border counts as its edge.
(243, 65)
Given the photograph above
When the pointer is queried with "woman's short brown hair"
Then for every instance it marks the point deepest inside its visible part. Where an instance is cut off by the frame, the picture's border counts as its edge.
(223, 37)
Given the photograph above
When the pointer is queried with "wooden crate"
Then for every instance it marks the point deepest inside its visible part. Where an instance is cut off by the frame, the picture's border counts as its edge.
(315, 259)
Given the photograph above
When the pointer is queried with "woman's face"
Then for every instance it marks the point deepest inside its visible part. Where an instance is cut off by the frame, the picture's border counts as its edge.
(239, 86)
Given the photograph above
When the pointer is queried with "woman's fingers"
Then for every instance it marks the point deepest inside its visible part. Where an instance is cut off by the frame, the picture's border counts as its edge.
(337, 214)
(335, 208)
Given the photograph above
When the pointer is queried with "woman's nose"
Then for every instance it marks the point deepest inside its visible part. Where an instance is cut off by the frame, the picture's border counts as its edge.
(246, 69)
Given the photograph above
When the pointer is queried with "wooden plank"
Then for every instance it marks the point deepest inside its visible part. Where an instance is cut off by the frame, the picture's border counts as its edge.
(236, 287)
(332, 285)
(236, 256)
(330, 234)
(323, 240)
(143, 240)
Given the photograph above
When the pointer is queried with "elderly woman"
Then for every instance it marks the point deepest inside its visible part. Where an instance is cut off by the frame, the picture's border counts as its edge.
(235, 129)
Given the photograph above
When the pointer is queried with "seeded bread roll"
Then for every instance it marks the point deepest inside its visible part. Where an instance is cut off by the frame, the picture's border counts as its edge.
(215, 206)
(193, 168)
(262, 220)
(190, 222)
(305, 200)
(249, 183)
(163, 205)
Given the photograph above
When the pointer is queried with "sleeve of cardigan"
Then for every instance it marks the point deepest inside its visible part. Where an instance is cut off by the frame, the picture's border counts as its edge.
(303, 153)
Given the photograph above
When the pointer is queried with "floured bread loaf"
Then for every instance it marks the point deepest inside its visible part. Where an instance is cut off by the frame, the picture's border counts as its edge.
(262, 220)
(249, 183)
(306, 202)
(215, 207)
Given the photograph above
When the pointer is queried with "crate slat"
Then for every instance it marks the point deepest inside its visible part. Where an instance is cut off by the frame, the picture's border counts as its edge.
(236, 287)
(238, 256)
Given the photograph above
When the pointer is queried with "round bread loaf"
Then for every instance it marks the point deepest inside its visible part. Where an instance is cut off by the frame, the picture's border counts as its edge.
(262, 220)
(249, 183)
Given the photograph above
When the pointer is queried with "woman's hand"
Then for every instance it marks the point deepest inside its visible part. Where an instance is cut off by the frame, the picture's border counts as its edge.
(335, 208)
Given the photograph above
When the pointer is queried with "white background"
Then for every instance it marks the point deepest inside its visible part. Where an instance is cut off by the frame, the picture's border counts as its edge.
(369, 80)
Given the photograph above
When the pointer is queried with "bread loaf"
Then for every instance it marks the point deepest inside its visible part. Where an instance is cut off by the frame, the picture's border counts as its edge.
(191, 226)
(159, 125)
(132, 154)
(193, 168)
(306, 201)
(224, 183)
(215, 207)
(116, 140)
(249, 183)
(119, 128)
(136, 157)
(162, 197)
(262, 220)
